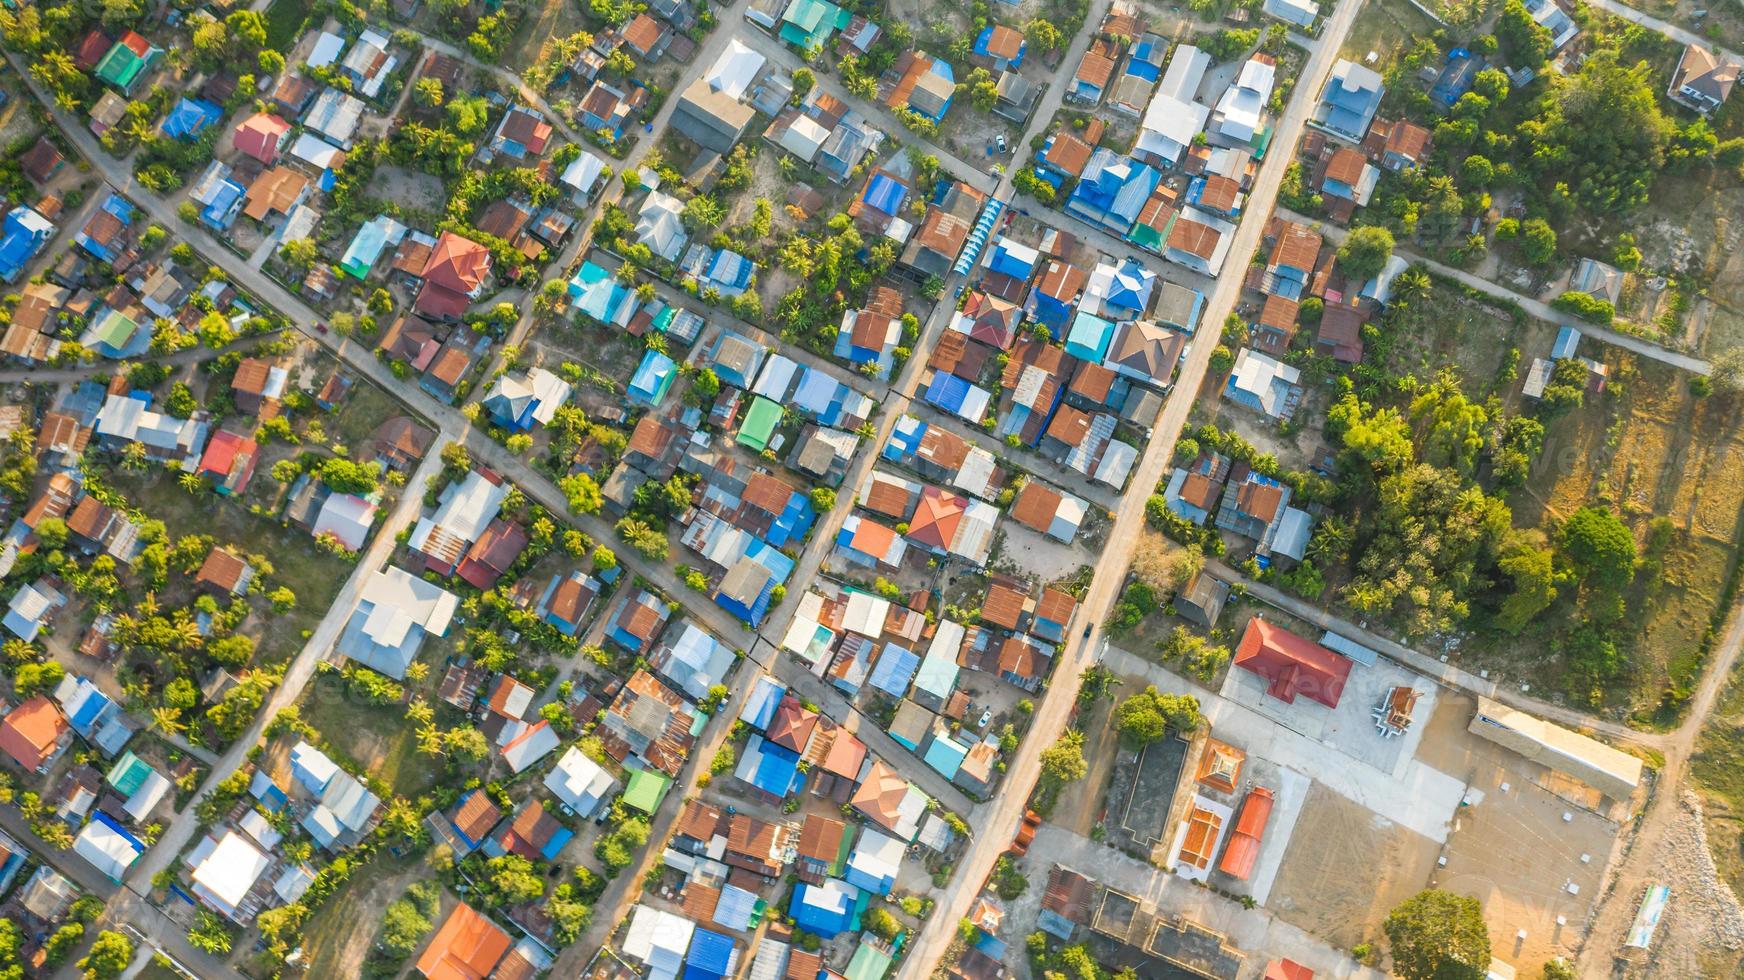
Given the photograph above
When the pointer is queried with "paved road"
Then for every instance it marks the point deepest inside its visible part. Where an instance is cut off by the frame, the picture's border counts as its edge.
(1535, 307)
(1430, 666)
(185, 825)
(996, 825)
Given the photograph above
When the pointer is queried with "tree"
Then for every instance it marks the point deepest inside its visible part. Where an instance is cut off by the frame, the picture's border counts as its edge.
(403, 928)
(702, 212)
(1531, 569)
(63, 942)
(1600, 133)
(283, 599)
(1523, 40)
(1149, 715)
(468, 114)
(803, 81)
(427, 92)
(512, 880)
(1365, 252)
(1600, 547)
(1559, 969)
(1064, 760)
(299, 254)
(110, 955)
(582, 492)
(209, 934)
(1437, 935)
(1042, 33)
(1537, 241)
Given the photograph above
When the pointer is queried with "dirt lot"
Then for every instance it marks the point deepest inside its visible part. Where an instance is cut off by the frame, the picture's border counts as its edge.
(1518, 847)
(339, 935)
(1349, 869)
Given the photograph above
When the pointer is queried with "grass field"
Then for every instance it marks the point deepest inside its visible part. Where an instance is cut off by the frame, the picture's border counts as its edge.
(542, 22)
(1718, 768)
(340, 934)
(1386, 27)
(377, 737)
(1454, 328)
(314, 575)
(284, 23)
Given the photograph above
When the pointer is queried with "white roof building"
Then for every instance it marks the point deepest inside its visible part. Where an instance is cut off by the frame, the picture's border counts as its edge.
(582, 173)
(803, 137)
(1238, 112)
(659, 939)
(579, 782)
(228, 872)
(317, 152)
(335, 115)
(1264, 379)
(660, 227)
(348, 518)
(326, 49)
(535, 742)
(1173, 117)
(107, 847)
(395, 611)
(462, 513)
(1301, 13)
(735, 70)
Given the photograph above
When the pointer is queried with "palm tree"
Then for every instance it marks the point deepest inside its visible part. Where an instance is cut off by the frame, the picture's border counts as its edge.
(168, 720)
(192, 482)
(133, 457)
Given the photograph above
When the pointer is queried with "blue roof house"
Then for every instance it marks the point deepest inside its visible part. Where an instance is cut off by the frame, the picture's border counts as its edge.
(218, 196)
(885, 194)
(1456, 77)
(599, 295)
(894, 670)
(728, 273)
(712, 956)
(759, 708)
(1089, 337)
(24, 235)
(1013, 259)
(1112, 191)
(189, 117)
(826, 910)
(1001, 59)
(1349, 101)
(771, 769)
(736, 359)
(945, 754)
(653, 379)
(366, 246)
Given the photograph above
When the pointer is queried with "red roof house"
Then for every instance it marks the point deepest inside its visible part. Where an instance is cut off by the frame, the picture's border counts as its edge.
(1293, 664)
(33, 733)
(1287, 970)
(467, 947)
(229, 461)
(453, 276)
(491, 555)
(262, 135)
(1250, 827)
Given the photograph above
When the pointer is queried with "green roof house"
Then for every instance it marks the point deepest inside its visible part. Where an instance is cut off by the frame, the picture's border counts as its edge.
(869, 963)
(647, 788)
(759, 425)
(809, 23)
(128, 60)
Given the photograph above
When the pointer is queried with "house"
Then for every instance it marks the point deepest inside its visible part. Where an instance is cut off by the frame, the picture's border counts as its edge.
(582, 176)
(225, 573)
(142, 786)
(108, 846)
(1294, 256)
(276, 191)
(467, 947)
(1264, 384)
(599, 295)
(1201, 600)
(825, 910)
(1089, 337)
(711, 118)
(262, 136)
(652, 379)
(335, 116)
(257, 386)
(875, 862)
(999, 48)
(42, 161)
(1118, 292)
(579, 783)
(638, 622)
(520, 403)
(1348, 102)
(1112, 191)
(1275, 326)
(34, 733)
(395, 611)
(890, 801)
(1199, 241)
(188, 117)
(720, 270)
(809, 24)
(1173, 117)
(1015, 97)
(493, 554)
(566, 601)
(453, 277)
(533, 834)
(1456, 77)
(228, 462)
(1550, 16)
(22, 238)
(1146, 352)
(925, 85)
(225, 872)
(1292, 665)
(659, 225)
(1398, 145)
(693, 661)
(218, 196)
(1339, 334)
(609, 108)
(1298, 13)
(1095, 68)
(522, 134)
(1053, 613)
(372, 238)
(108, 232)
(1055, 293)
(1237, 117)
(1703, 81)
(128, 61)
(651, 722)
(368, 64)
(1048, 511)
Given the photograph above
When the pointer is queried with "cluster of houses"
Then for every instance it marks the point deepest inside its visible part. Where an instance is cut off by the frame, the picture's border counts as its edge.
(870, 647)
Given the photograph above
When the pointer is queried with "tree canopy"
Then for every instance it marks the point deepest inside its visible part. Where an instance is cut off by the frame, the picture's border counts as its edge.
(1437, 935)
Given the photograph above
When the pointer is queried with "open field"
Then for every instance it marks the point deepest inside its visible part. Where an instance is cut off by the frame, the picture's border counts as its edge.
(340, 934)
(377, 737)
(313, 574)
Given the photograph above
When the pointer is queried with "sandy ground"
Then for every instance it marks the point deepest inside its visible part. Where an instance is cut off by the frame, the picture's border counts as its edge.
(1702, 931)
(1349, 868)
